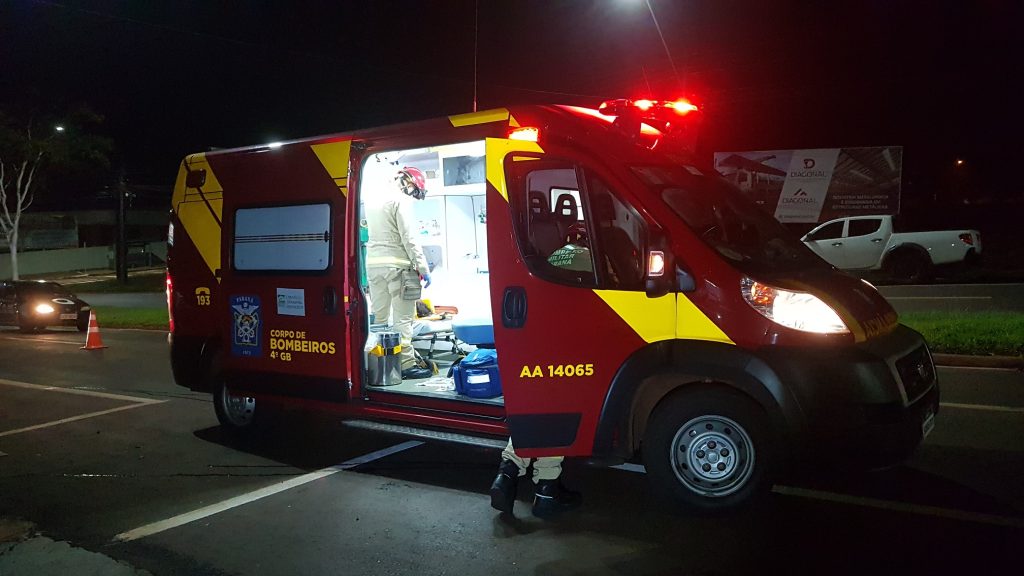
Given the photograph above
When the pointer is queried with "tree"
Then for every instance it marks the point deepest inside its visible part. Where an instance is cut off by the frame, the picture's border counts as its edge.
(34, 145)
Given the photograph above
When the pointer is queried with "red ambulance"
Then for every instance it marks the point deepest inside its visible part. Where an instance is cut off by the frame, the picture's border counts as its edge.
(692, 331)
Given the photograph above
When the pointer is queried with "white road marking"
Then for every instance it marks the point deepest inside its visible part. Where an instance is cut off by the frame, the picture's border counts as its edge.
(638, 468)
(80, 417)
(920, 509)
(947, 367)
(949, 286)
(938, 297)
(986, 407)
(78, 343)
(80, 392)
(2, 454)
(206, 511)
(135, 403)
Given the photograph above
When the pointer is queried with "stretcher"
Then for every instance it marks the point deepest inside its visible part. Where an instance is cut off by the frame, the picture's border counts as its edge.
(438, 328)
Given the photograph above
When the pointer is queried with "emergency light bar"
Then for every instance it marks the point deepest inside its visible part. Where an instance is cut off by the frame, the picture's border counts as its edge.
(650, 108)
(674, 121)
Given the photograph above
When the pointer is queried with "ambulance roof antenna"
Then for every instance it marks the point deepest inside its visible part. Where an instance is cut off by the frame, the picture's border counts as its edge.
(663, 43)
(476, 35)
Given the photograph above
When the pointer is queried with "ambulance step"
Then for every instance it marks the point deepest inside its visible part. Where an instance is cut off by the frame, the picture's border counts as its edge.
(427, 433)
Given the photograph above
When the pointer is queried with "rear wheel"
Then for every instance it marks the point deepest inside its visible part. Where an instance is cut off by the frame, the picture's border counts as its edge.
(909, 267)
(709, 450)
(236, 413)
(83, 322)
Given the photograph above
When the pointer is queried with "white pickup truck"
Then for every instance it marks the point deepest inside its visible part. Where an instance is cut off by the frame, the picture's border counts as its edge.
(869, 243)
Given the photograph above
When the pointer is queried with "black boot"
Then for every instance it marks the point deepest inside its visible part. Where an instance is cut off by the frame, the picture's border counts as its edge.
(552, 499)
(503, 489)
(416, 373)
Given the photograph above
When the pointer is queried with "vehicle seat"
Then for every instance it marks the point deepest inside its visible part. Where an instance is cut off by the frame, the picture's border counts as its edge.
(543, 229)
(566, 214)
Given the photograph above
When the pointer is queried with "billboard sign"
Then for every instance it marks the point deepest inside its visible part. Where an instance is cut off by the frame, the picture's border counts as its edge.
(817, 185)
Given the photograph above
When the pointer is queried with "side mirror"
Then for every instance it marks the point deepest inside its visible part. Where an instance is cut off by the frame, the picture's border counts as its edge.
(658, 286)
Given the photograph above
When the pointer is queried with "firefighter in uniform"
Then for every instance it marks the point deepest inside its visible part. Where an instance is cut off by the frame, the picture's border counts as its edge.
(550, 496)
(395, 262)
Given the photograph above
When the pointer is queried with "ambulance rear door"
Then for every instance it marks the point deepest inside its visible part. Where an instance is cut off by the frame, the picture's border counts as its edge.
(284, 246)
(567, 256)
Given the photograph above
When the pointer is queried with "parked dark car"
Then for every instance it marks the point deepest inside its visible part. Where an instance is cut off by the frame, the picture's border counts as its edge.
(33, 305)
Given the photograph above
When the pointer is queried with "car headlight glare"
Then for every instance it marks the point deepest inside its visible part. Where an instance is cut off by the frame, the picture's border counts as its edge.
(44, 309)
(797, 310)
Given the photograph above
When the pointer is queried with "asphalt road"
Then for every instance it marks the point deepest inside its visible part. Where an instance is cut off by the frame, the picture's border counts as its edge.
(96, 444)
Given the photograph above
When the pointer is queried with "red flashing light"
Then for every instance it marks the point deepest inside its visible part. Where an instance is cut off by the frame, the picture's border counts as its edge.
(526, 133)
(684, 106)
(619, 107)
(967, 239)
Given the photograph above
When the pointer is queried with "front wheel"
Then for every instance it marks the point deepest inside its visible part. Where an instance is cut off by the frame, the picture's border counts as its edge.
(25, 325)
(236, 413)
(709, 450)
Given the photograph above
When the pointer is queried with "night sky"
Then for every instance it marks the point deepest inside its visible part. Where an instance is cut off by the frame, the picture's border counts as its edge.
(175, 77)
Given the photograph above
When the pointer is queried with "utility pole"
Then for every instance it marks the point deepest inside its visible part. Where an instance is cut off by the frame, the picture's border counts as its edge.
(122, 227)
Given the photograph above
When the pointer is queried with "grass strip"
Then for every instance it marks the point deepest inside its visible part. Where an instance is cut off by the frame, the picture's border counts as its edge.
(975, 333)
(114, 317)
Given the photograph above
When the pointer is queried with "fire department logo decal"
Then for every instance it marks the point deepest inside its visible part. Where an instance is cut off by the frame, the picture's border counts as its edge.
(246, 320)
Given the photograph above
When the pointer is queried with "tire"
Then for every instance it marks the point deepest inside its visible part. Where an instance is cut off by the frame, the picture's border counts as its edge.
(83, 323)
(709, 450)
(192, 368)
(26, 326)
(236, 414)
(909, 267)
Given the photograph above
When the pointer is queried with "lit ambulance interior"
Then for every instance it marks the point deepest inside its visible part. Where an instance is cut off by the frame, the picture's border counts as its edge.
(454, 313)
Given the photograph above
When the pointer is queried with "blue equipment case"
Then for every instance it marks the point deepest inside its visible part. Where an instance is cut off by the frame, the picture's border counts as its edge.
(477, 375)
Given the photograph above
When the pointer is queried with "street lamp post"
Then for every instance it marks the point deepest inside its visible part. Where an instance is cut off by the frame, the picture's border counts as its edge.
(122, 233)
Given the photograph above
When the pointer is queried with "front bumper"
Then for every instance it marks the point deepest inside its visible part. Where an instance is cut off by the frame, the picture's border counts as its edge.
(62, 316)
(871, 403)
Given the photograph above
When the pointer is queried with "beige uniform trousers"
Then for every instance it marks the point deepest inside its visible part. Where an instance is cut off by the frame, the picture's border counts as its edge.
(394, 293)
(547, 468)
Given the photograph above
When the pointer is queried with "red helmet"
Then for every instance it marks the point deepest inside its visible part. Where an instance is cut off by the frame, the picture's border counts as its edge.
(413, 182)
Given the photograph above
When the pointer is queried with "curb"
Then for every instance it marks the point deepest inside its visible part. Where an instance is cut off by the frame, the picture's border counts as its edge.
(1005, 362)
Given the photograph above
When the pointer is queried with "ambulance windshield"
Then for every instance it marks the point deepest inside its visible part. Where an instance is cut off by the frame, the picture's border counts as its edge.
(727, 221)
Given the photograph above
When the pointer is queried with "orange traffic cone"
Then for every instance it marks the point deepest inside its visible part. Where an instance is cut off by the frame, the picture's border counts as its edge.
(93, 340)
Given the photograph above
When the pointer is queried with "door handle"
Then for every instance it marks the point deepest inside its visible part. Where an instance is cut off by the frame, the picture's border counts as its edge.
(837, 243)
(513, 307)
(330, 300)
(876, 240)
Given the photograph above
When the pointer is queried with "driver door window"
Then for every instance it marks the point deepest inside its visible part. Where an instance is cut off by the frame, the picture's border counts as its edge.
(571, 234)
(829, 232)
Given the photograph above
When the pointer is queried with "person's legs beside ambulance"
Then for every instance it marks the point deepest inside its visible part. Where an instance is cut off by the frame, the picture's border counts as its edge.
(550, 497)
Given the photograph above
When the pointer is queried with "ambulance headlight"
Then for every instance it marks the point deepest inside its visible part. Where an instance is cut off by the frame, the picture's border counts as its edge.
(44, 309)
(797, 310)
